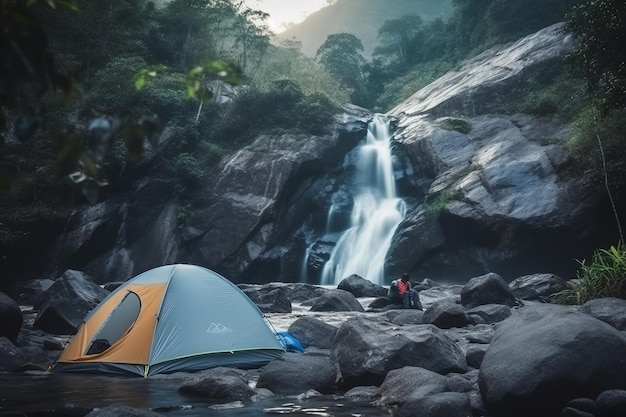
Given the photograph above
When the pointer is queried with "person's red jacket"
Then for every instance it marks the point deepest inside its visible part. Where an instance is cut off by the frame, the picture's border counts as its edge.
(403, 287)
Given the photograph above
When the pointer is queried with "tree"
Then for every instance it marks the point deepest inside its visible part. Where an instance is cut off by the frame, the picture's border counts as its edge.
(600, 28)
(396, 37)
(341, 55)
(251, 36)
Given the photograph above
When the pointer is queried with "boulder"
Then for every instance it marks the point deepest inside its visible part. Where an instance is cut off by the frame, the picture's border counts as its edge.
(487, 289)
(409, 316)
(446, 314)
(295, 373)
(537, 286)
(366, 350)
(218, 383)
(61, 317)
(400, 383)
(489, 313)
(612, 403)
(361, 287)
(445, 404)
(313, 332)
(544, 356)
(337, 300)
(269, 300)
(11, 318)
(474, 354)
(76, 286)
(65, 304)
(610, 310)
(11, 357)
(31, 289)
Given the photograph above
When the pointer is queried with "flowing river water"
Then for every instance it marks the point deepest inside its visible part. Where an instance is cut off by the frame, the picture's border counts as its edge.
(47, 394)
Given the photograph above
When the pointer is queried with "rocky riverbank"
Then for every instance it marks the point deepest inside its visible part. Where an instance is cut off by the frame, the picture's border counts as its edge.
(486, 348)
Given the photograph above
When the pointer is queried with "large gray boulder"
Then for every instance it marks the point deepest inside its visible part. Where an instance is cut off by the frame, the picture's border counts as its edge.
(313, 332)
(537, 286)
(218, 383)
(487, 289)
(400, 384)
(337, 300)
(361, 287)
(366, 350)
(608, 309)
(64, 305)
(295, 373)
(544, 356)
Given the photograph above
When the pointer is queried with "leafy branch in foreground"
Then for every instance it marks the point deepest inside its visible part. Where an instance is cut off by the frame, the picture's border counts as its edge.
(605, 276)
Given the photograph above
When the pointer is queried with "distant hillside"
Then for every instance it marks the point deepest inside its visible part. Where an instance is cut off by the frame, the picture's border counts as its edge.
(361, 18)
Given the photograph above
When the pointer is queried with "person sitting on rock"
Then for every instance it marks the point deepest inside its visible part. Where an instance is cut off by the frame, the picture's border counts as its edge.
(400, 290)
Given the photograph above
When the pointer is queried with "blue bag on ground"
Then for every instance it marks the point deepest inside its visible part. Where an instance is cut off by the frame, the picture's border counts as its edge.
(290, 342)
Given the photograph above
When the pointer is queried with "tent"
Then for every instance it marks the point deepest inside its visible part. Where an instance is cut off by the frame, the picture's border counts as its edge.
(168, 319)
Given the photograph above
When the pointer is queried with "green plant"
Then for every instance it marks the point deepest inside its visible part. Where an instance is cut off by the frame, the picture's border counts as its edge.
(605, 276)
(459, 125)
(437, 204)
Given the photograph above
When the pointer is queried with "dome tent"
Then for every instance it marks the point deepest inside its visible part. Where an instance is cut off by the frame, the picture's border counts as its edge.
(168, 319)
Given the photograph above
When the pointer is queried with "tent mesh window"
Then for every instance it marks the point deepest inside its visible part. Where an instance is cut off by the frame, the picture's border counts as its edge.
(119, 322)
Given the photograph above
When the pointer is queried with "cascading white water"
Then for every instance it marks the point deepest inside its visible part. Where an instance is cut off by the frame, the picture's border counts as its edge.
(376, 213)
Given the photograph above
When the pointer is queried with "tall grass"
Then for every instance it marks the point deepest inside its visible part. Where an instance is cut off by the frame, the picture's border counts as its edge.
(605, 276)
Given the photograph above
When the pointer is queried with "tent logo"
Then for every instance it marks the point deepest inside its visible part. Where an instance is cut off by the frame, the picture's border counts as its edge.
(218, 328)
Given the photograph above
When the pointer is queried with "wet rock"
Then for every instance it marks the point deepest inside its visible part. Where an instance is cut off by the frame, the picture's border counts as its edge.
(219, 383)
(610, 310)
(537, 286)
(366, 350)
(446, 314)
(337, 300)
(443, 404)
(539, 351)
(313, 332)
(295, 373)
(487, 289)
(400, 384)
(11, 318)
(361, 287)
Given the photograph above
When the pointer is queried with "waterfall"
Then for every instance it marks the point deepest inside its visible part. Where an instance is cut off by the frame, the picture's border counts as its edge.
(376, 212)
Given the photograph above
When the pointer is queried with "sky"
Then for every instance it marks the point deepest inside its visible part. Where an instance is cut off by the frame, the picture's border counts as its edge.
(283, 12)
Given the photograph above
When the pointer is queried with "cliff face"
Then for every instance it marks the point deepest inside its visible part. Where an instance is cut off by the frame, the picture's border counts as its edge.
(503, 200)
(484, 193)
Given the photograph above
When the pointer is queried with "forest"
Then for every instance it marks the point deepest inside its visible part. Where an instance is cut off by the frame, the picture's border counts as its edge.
(95, 94)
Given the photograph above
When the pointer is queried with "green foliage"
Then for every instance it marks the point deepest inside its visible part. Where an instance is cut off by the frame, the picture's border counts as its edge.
(583, 148)
(188, 171)
(442, 199)
(402, 87)
(282, 106)
(600, 26)
(459, 125)
(605, 276)
(341, 56)
(395, 38)
(559, 94)
(289, 63)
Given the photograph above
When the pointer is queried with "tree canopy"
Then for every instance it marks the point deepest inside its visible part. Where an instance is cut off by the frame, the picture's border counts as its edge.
(600, 29)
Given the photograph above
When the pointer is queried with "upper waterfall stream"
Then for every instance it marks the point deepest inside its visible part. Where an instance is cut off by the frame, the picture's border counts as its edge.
(376, 213)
